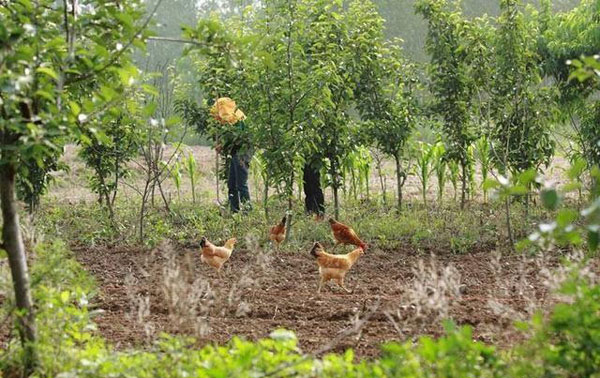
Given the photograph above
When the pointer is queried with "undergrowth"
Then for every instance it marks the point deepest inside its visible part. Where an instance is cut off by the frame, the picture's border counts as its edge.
(445, 229)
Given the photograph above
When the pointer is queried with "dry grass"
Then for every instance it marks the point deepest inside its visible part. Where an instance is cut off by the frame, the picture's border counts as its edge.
(187, 295)
(427, 298)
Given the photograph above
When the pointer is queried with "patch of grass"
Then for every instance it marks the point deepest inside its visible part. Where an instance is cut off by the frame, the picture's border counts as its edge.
(443, 229)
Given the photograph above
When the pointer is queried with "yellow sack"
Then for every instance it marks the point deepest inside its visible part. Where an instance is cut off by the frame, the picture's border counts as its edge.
(225, 110)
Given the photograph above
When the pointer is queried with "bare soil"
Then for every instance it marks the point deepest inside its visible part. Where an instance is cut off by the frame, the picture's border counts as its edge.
(285, 296)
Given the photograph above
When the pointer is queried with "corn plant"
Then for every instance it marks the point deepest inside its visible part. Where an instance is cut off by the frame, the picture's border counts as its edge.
(190, 166)
(440, 168)
(364, 168)
(483, 154)
(357, 165)
(424, 166)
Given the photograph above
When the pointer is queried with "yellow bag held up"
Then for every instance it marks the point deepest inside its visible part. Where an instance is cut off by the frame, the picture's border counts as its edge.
(225, 110)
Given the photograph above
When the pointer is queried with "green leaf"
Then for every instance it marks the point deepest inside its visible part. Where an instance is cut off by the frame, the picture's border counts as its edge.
(565, 217)
(527, 177)
(490, 184)
(593, 238)
(550, 198)
(75, 108)
(48, 71)
(64, 296)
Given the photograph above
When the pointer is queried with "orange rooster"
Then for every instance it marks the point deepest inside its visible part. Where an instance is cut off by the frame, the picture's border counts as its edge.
(277, 233)
(334, 267)
(345, 235)
(216, 256)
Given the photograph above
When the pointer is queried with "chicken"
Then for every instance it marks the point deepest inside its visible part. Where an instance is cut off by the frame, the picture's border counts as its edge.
(334, 267)
(277, 233)
(345, 235)
(216, 256)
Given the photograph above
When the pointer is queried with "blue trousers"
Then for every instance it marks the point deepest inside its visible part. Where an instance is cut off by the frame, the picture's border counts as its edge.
(237, 181)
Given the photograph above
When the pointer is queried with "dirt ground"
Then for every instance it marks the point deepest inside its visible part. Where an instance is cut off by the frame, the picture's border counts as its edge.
(282, 293)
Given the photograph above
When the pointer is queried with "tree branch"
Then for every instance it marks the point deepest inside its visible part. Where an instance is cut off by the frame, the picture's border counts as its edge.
(119, 53)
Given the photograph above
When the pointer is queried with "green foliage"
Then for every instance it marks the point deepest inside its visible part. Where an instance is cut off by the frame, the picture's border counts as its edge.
(454, 355)
(34, 180)
(450, 82)
(565, 36)
(40, 62)
(109, 152)
(522, 106)
(570, 228)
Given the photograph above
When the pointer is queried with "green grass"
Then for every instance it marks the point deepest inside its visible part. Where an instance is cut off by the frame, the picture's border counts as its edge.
(445, 229)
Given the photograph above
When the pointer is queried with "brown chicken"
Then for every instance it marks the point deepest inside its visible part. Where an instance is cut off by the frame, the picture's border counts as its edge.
(216, 256)
(334, 267)
(345, 235)
(277, 233)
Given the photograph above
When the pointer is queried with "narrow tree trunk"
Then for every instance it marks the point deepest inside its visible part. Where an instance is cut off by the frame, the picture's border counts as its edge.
(288, 228)
(336, 202)
(509, 223)
(382, 184)
(399, 182)
(162, 194)
(464, 184)
(12, 242)
(266, 197)
(335, 186)
(109, 207)
(143, 209)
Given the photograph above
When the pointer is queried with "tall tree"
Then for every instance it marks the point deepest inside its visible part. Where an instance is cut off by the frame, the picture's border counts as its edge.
(450, 84)
(386, 97)
(56, 58)
(522, 105)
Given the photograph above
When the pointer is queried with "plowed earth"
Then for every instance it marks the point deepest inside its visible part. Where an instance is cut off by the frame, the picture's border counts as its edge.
(262, 292)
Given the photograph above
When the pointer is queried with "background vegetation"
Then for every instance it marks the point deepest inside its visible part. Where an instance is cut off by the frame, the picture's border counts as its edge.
(484, 117)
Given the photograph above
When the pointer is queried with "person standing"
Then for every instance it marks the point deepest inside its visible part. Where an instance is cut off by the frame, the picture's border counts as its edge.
(234, 142)
(314, 200)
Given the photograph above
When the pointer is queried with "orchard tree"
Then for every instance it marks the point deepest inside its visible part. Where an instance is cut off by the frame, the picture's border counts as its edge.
(58, 61)
(565, 37)
(450, 84)
(107, 153)
(334, 36)
(521, 134)
(386, 97)
(282, 86)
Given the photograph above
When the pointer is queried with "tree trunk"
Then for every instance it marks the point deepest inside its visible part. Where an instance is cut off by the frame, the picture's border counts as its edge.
(509, 223)
(382, 184)
(335, 186)
(266, 197)
(162, 194)
(464, 184)
(336, 202)
(12, 242)
(399, 182)
(288, 228)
